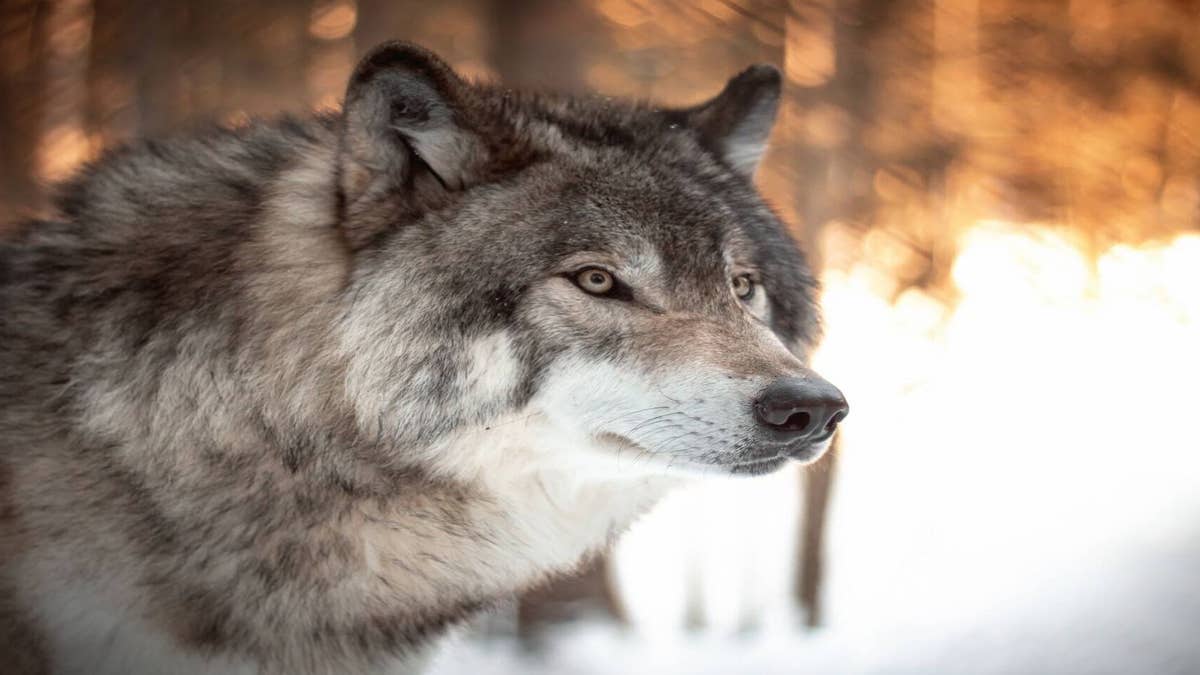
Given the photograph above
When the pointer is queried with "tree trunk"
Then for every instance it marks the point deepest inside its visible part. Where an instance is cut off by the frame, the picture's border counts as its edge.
(837, 170)
(22, 52)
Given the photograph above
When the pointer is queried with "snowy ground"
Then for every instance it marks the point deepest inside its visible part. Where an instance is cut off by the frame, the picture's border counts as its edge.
(1119, 614)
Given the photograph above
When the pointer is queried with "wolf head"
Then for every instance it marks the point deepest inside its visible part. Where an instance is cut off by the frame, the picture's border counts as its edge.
(580, 278)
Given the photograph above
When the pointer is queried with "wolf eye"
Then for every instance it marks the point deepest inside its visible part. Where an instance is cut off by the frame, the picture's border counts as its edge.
(743, 287)
(595, 281)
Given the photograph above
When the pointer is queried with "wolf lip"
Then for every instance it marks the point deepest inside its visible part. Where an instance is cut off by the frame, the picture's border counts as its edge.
(803, 451)
(759, 466)
(806, 450)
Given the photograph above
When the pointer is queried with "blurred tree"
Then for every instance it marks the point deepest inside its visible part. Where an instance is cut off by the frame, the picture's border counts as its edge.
(22, 51)
(833, 87)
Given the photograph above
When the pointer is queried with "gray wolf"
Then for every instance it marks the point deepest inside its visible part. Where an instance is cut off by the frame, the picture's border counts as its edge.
(298, 397)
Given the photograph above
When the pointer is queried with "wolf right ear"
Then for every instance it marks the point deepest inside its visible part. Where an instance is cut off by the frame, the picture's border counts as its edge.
(403, 130)
(735, 124)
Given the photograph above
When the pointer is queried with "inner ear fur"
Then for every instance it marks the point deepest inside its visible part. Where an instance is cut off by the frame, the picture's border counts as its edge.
(404, 131)
(736, 123)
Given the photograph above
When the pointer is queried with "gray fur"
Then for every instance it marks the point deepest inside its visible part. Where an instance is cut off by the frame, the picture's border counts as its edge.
(250, 379)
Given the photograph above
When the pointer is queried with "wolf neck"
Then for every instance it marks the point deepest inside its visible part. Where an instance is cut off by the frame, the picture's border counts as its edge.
(504, 530)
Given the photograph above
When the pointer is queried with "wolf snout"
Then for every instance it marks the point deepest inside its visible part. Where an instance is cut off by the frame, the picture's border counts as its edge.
(801, 409)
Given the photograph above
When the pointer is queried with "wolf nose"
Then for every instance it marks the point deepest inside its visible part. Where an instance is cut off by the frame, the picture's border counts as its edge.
(801, 408)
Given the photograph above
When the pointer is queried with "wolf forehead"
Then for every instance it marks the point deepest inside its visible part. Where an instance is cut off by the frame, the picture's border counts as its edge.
(580, 173)
(693, 236)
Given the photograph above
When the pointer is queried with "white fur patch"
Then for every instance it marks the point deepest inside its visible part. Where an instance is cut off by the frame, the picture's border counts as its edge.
(494, 369)
(688, 420)
(89, 635)
(744, 155)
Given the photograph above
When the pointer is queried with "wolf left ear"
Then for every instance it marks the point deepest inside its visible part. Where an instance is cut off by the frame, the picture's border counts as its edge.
(404, 130)
(736, 123)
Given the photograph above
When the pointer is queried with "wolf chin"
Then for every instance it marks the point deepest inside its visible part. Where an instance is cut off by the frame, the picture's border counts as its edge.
(298, 397)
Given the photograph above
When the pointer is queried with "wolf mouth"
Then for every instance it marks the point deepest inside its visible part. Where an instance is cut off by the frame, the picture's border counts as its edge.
(758, 467)
(804, 453)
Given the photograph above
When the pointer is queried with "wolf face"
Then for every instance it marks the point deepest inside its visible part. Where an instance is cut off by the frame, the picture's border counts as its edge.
(595, 282)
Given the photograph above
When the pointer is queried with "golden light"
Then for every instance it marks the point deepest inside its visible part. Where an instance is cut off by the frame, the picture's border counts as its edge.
(809, 58)
(327, 72)
(333, 20)
(623, 13)
(825, 125)
(62, 150)
(721, 10)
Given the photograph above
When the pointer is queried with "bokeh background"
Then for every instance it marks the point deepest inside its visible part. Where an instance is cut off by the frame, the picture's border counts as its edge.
(1003, 199)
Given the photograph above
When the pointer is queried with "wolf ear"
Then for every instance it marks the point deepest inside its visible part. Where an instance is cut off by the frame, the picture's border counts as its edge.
(736, 123)
(403, 130)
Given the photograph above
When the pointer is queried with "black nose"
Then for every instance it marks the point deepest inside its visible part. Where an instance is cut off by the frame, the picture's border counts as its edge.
(801, 407)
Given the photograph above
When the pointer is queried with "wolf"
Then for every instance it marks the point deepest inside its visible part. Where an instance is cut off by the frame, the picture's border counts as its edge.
(301, 396)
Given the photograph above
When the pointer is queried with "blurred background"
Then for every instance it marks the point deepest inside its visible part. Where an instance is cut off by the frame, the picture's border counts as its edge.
(1003, 200)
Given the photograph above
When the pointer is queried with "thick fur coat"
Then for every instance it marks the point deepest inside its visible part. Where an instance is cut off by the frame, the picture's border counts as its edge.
(296, 397)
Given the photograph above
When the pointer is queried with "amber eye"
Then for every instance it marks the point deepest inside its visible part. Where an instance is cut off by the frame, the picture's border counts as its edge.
(743, 287)
(595, 281)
